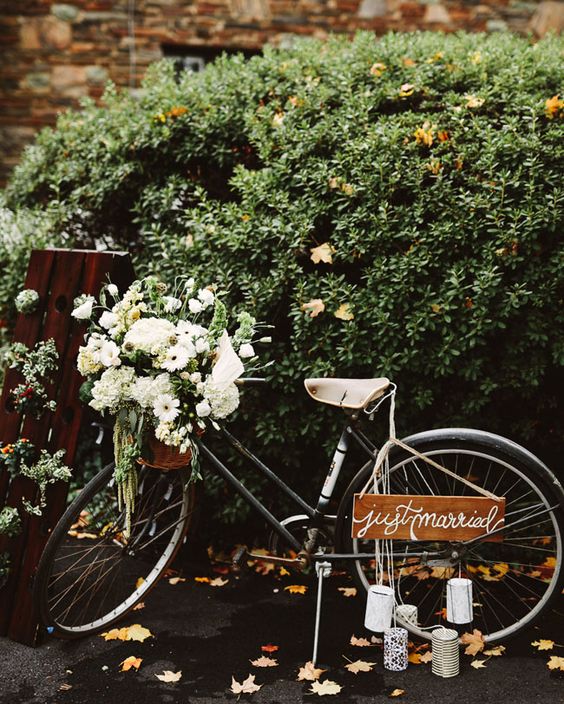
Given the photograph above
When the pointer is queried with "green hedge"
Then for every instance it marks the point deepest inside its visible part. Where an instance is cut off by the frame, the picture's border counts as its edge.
(431, 165)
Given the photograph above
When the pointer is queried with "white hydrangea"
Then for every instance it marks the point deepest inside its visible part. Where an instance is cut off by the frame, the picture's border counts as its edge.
(112, 388)
(222, 401)
(145, 390)
(150, 335)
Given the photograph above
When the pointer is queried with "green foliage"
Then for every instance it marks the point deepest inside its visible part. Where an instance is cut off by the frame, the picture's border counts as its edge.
(10, 521)
(428, 162)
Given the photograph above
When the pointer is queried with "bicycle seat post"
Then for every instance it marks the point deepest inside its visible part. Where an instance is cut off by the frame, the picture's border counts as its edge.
(323, 569)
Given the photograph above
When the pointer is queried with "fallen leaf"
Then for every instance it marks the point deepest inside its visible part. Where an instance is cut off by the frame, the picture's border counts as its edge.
(139, 606)
(414, 658)
(138, 632)
(543, 644)
(139, 582)
(176, 580)
(248, 686)
(169, 676)
(360, 666)
(218, 582)
(347, 591)
(284, 572)
(313, 307)
(478, 664)
(269, 648)
(296, 588)
(495, 652)
(202, 580)
(310, 672)
(322, 253)
(555, 663)
(474, 642)
(130, 662)
(396, 693)
(360, 642)
(344, 312)
(65, 687)
(263, 661)
(426, 657)
(326, 687)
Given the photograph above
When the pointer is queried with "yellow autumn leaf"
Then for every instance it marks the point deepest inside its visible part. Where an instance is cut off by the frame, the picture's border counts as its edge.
(495, 651)
(426, 657)
(473, 101)
(326, 687)
(169, 676)
(284, 572)
(414, 658)
(360, 642)
(309, 672)
(202, 580)
(296, 588)
(478, 664)
(130, 662)
(176, 580)
(396, 692)
(138, 632)
(425, 135)
(218, 582)
(313, 307)
(263, 661)
(555, 663)
(410, 63)
(323, 253)
(543, 644)
(344, 312)
(406, 90)
(359, 666)
(474, 642)
(377, 69)
(139, 582)
(553, 106)
(347, 591)
(248, 686)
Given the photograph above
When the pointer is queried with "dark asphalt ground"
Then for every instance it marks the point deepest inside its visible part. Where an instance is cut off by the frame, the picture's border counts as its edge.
(212, 633)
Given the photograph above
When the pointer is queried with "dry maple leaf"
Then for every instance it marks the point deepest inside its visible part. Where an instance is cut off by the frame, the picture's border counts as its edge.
(313, 307)
(139, 583)
(347, 591)
(414, 658)
(310, 672)
(495, 652)
(202, 580)
(396, 693)
(474, 642)
(139, 606)
(248, 686)
(426, 657)
(138, 632)
(543, 644)
(360, 666)
(284, 572)
(176, 580)
(322, 253)
(296, 588)
(326, 687)
(360, 642)
(218, 582)
(478, 664)
(263, 661)
(555, 663)
(269, 648)
(130, 662)
(169, 676)
(344, 312)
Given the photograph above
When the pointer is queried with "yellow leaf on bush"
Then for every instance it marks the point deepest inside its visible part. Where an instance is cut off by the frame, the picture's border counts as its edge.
(296, 588)
(406, 90)
(377, 69)
(553, 106)
(313, 307)
(130, 662)
(326, 687)
(344, 312)
(322, 253)
(472, 101)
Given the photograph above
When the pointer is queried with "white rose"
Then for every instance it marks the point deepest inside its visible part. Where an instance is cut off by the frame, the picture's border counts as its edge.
(83, 311)
(108, 320)
(112, 289)
(203, 409)
(246, 351)
(195, 377)
(206, 296)
(195, 306)
(109, 355)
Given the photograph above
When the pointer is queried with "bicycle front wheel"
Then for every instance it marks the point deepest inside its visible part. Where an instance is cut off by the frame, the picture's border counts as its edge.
(513, 581)
(91, 573)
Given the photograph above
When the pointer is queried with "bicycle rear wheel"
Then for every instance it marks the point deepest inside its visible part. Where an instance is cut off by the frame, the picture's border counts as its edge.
(513, 581)
(90, 574)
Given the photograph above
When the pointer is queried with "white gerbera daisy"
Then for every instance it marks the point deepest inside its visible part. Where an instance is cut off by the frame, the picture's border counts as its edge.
(176, 358)
(166, 408)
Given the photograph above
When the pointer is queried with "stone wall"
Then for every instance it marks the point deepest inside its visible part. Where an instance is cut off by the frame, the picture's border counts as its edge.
(55, 53)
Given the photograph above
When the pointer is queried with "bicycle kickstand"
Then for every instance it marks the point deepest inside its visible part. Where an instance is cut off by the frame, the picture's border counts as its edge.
(323, 570)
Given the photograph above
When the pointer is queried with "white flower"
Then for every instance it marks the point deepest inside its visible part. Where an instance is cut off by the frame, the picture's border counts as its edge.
(86, 362)
(166, 407)
(172, 304)
(112, 389)
(195, 306)
(162, 431)
(265, 339)
(202, 345)
(187, 346)
(176, 358)
(203, 409)
(112, 289)
(108, 320)
(206, 296)
(109, 354)
(246, 350)
(149, 335)
(84, 310)
(223, 401)
(195, 377)
(189, 285)
(146, 390)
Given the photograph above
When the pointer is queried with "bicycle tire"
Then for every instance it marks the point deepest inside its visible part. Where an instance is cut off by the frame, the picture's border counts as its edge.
(526, 574)
(92, 528)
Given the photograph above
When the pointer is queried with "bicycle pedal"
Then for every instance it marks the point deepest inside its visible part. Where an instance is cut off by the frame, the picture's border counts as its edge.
(238, 559)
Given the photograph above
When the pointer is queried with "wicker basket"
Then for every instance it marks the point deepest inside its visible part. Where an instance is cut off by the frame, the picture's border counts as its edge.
(166, 457)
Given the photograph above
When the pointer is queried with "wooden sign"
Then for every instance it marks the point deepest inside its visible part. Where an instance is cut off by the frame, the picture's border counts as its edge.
(415, 517)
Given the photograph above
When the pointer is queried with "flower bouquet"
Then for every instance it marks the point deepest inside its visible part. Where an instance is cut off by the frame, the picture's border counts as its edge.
(163, 364)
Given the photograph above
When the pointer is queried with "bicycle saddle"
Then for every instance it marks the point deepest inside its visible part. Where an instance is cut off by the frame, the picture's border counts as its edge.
(346, 393)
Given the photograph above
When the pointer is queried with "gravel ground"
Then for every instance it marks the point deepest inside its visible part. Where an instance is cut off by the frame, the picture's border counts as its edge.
(212, 633)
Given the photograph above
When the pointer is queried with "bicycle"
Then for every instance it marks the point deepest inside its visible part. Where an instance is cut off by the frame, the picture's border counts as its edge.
(90, 574)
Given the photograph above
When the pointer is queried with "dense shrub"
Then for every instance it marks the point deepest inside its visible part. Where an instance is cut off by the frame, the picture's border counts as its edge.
(430, 164)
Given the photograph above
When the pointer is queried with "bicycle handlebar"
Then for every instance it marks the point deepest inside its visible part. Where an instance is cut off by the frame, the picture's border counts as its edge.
(250, 381)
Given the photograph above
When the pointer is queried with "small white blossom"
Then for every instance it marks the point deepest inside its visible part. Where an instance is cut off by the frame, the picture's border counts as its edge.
(162, 431)
(166, 407)
(112, 289)
(176, 358)
(265, 339)
(84, 310)
(195, 377)
(206, 296)
(109, 354)
(108, 320)
(172, 304)
(202, 345)
(195, 306)
(189, 285)
(246, 350)
(203, 409)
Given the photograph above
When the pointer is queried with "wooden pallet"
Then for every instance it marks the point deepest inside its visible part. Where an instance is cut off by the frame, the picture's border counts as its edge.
(58, 276)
